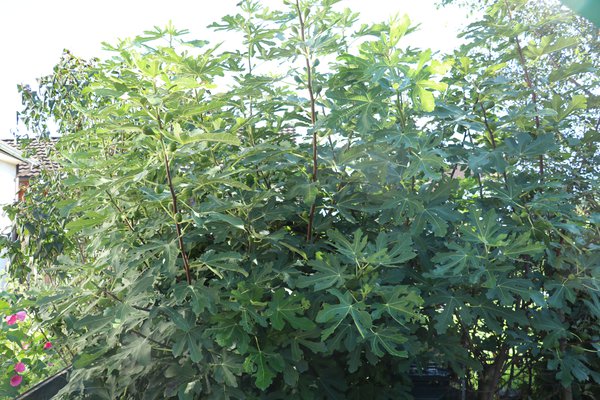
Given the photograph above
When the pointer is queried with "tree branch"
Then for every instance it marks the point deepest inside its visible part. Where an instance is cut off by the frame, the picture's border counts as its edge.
(313, 120)
(184, 256)
(492, 138)
(529, 84)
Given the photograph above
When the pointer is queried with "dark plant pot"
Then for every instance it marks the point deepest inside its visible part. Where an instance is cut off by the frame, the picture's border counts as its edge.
(432, 383)
(45, 390)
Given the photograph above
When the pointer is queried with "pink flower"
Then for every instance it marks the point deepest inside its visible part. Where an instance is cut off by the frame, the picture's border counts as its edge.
(24, 345)
(11, 319)
(16, 380)
(21, 315)
(19, 367)
(47, 345)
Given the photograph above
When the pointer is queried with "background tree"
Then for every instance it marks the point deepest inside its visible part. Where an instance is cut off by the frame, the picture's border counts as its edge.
(530, 149)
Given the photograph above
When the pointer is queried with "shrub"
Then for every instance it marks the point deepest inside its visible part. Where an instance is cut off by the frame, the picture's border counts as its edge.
(422, 208)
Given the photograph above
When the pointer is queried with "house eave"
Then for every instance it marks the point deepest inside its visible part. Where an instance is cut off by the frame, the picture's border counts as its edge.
(12, 156)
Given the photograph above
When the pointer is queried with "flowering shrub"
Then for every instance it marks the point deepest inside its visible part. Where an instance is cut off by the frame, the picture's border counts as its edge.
(26, 354)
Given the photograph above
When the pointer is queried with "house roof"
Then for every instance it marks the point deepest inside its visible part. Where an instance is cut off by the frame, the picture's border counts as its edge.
(39, 152)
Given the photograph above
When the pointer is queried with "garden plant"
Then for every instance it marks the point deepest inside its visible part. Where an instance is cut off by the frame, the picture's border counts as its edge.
(317, 212)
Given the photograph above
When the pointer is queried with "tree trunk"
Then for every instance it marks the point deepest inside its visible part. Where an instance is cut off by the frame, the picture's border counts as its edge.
(566, 393)
(490, 376)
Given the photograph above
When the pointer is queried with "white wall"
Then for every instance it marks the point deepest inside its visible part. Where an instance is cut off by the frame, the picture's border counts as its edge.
(8, 194)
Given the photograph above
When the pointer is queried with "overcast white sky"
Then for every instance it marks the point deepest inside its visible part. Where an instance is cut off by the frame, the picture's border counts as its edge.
(34, 32)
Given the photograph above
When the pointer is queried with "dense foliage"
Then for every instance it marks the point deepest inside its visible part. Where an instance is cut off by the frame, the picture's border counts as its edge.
(422, 209)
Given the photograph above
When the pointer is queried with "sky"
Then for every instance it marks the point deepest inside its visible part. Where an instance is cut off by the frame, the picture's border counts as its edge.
(33, 33)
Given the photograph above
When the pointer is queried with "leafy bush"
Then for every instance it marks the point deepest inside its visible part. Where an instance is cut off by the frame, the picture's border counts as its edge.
(421, 209)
